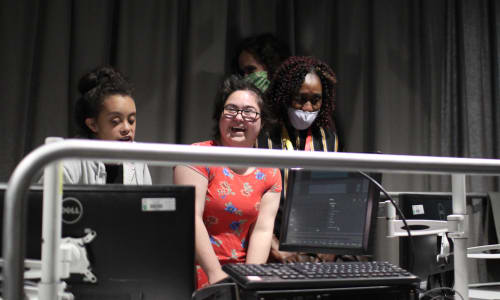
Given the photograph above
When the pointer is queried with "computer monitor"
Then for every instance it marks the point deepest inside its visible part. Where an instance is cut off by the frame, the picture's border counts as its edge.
(144, 244)
(329, 212)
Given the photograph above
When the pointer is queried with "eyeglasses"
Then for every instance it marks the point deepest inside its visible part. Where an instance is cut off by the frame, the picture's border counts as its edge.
(247, 114)
(303, 99)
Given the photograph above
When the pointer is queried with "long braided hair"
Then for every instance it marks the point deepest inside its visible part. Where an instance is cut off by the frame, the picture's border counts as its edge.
(287, 81)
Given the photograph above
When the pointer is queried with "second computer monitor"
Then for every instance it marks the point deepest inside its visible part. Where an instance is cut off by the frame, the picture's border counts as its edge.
(329, 212)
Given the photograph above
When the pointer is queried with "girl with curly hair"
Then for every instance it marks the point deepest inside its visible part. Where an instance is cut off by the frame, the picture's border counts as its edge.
(302, 98)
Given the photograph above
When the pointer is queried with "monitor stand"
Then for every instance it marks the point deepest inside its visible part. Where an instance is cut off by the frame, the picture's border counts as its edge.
(74, 260)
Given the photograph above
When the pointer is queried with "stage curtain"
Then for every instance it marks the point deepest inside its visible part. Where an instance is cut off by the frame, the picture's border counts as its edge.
(414, 77)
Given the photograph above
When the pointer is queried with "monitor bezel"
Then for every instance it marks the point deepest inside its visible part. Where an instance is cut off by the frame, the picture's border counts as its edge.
(137, 287)
(368, 244)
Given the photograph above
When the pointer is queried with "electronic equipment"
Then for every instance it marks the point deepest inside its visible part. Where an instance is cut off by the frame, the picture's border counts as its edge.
(425, 206)
(318, 275)
(329, 212)
(434, 251)
(140, 239)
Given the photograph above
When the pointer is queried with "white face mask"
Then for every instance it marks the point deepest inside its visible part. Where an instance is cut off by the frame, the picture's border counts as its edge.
(301, 119)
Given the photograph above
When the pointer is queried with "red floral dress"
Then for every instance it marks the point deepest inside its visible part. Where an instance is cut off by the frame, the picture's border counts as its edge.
(231, 208)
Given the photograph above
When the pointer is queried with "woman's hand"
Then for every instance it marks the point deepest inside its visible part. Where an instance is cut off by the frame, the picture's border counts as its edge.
(281, 256)
(326, 257)
(285, 256)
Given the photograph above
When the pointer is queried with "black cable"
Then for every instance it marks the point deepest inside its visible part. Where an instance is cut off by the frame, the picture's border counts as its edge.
(442, 279)
(441, 294)
(411, 254)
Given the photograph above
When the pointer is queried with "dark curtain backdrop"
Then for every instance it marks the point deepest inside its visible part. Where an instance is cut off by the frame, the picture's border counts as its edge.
(415, 77)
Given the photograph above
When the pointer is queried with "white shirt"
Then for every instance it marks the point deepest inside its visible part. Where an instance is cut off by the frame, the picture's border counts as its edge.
(94, 172)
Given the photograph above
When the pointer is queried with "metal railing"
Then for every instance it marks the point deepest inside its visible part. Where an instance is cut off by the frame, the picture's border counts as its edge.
(169, 154)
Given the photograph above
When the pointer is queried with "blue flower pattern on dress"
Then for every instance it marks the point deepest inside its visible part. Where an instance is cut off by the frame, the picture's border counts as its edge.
(227, 173)
(243, 243)
(215, 241)
(232, 209)
(260, 175)
(235, 226)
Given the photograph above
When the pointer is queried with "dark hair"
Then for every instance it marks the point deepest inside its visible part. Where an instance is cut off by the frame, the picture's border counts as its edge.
(230, 85)
(266, 49)
(94, 87)
(287, 82)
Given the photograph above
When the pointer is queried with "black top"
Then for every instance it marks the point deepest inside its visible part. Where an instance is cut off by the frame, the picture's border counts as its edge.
(272, 139)
(114, 173)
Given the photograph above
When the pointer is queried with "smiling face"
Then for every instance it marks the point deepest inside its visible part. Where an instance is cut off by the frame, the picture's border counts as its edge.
(116, 120)
(248, 64)
(237, 131)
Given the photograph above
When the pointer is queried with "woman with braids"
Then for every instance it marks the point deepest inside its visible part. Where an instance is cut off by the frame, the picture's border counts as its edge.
(302, 98)
(258, 57)
(105, 110)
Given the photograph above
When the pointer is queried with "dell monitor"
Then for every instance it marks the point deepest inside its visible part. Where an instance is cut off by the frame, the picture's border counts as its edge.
(329, 212)
(144, 239)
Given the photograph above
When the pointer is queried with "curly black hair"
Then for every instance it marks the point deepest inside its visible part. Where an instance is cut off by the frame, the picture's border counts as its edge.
(94, 87)
(287, 82)
(266, 49)
(230, 85)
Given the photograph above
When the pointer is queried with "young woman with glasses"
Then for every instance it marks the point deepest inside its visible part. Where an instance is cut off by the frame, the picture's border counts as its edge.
(235, 207)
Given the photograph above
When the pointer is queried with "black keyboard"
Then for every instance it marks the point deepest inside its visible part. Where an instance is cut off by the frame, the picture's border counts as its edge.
(318, 275)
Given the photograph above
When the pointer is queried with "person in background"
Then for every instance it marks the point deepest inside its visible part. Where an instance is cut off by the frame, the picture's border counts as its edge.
(258, 57)
(302, 97)
(105, 110)
(235, 207)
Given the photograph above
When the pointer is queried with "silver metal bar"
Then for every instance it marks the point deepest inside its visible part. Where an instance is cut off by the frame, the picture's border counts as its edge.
(48, 286)
(459, 207)
(169, 154)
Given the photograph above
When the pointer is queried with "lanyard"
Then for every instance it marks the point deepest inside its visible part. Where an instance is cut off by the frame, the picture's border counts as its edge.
(285, 140)
(309, 146)
(287, 145)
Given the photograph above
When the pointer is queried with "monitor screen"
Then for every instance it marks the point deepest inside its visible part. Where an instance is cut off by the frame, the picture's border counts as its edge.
(329, 212)
(144, 243)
